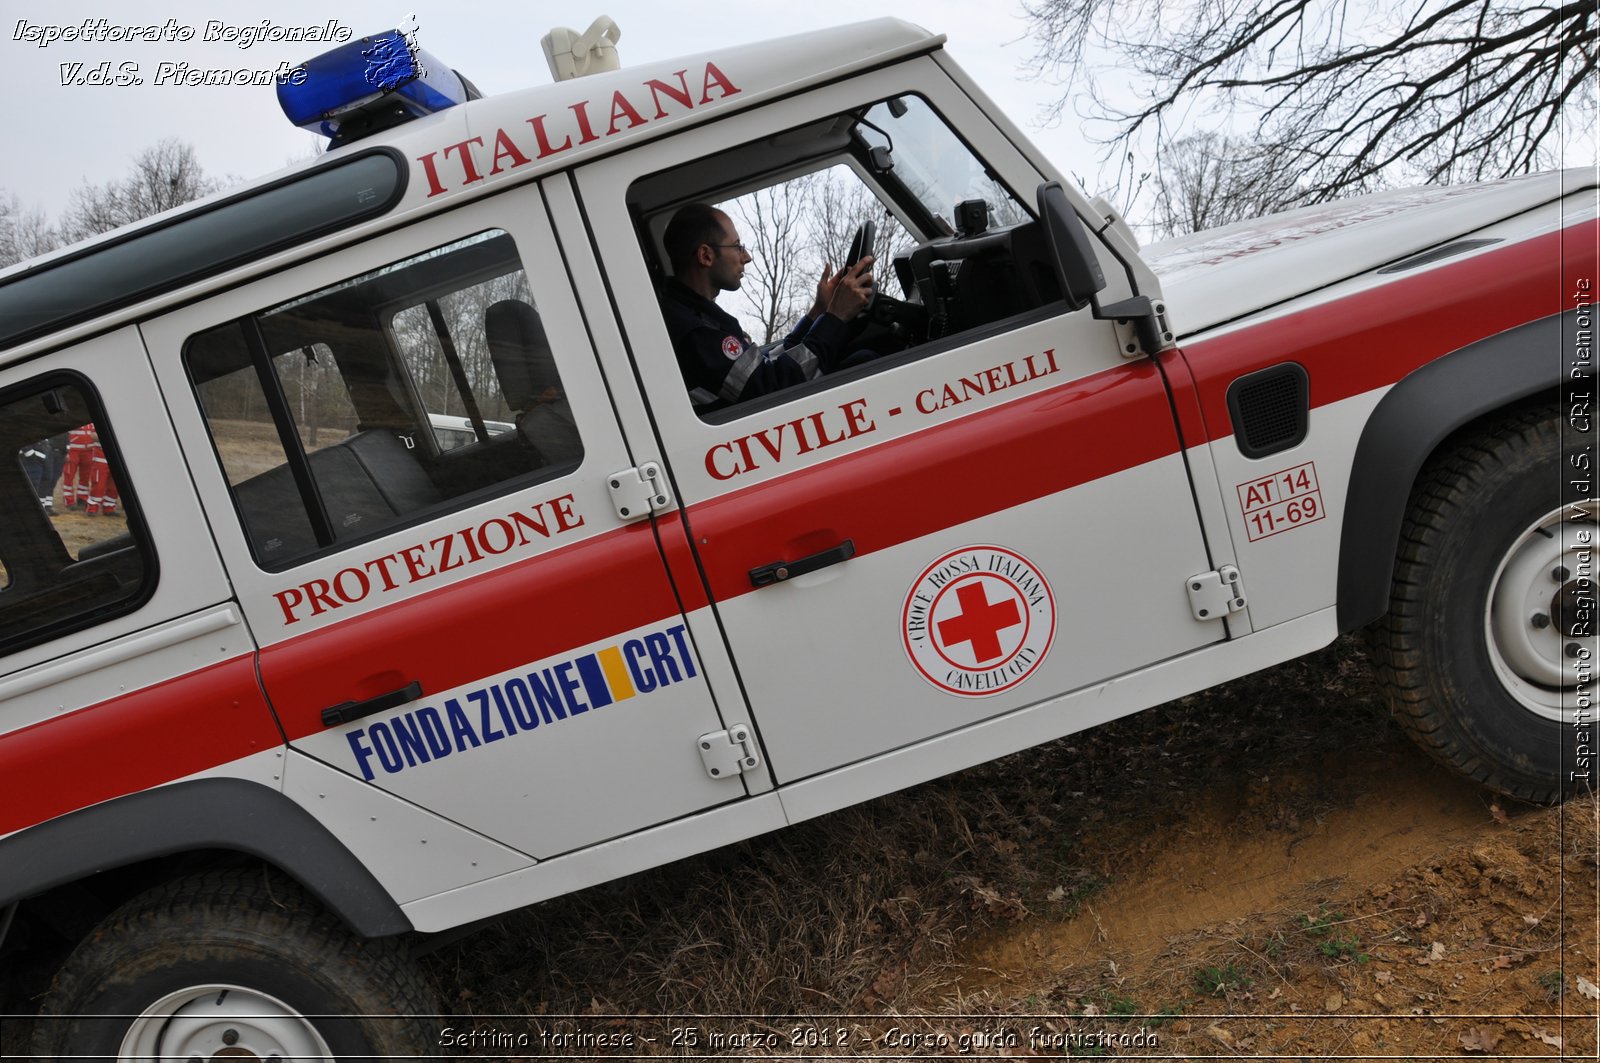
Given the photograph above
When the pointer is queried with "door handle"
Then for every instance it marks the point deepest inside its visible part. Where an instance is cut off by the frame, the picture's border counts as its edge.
(779, 571)
(347, 711)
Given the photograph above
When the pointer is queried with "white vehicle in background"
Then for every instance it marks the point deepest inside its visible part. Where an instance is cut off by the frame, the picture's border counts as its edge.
(452, 432)
(343, 682)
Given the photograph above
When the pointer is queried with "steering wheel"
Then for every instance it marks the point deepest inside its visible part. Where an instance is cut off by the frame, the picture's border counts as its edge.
(860, 243)
(882, 314)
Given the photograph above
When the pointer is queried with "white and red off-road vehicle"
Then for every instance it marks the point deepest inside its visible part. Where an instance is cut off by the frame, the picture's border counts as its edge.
(327, 681)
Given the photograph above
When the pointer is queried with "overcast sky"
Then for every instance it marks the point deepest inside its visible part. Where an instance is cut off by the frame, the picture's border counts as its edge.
(60, 136)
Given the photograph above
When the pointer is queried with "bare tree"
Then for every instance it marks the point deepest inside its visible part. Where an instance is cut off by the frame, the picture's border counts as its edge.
(771, 222)
(164, 176)
(838, 204)
(24, 232)
(1206, 180)
(1356, 94)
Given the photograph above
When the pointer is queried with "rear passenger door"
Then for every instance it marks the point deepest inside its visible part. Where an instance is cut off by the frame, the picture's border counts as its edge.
(123, 665)
(470, 627)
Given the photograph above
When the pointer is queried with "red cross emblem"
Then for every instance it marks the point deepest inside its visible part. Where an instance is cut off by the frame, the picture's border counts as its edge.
(979, 622)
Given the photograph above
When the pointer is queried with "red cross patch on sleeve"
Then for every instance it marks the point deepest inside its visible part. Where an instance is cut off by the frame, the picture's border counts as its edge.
(732, 347)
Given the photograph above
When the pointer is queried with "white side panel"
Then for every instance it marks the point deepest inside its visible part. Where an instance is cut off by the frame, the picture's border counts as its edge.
(266, 768)
(410, 851)
(539, 733)
(880, 775)
(1112, 605)
(1285, 512)
(120, 665)
(1061, 716)
(597, 864)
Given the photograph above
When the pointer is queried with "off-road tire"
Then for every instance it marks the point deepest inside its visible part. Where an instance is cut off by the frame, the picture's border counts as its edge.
(246, 928)
(1472, 504)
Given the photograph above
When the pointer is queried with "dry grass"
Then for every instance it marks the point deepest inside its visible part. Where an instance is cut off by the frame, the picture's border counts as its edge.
(861, 911)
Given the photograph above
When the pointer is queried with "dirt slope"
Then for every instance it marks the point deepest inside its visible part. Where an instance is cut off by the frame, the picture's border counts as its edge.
(1267, 870)
(1407, 920)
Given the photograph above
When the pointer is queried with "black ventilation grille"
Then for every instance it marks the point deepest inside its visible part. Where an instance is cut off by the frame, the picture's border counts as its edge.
(1270, 409)
(1437, 254)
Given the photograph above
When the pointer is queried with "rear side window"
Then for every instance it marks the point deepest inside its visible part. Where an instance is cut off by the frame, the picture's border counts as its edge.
(73, 551)
(385, 399)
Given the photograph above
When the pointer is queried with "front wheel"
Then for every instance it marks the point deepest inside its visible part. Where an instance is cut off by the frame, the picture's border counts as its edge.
(237, 964)
(1486, 652)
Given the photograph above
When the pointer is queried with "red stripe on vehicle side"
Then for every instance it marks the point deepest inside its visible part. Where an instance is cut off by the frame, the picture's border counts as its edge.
(880, 496)
(1373, 338)
(133, 742)
(919, 484)
(1185, 397)
(491, 623)
(614, 582)
(681, 563)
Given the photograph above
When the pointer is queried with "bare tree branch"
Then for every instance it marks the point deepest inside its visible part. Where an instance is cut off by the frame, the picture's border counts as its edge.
(770, 222)
(1350, 96)
(24, 232)
(164, 176)
(1207, 180)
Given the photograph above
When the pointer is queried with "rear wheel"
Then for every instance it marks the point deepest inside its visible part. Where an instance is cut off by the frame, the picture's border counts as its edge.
(238, 964)
(1486, 653)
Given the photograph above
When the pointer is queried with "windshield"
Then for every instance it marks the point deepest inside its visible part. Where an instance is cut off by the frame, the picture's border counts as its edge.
(933, 164)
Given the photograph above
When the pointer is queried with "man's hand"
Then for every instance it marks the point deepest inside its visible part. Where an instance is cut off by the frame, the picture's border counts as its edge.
(825, 288)
(849, 291)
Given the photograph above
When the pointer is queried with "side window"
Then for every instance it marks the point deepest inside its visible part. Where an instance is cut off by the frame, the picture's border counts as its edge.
(795, 227)
(379, 401)
(955, 251)
(72, 549)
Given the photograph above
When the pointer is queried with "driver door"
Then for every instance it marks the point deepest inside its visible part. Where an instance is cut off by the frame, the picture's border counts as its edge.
(944, 536)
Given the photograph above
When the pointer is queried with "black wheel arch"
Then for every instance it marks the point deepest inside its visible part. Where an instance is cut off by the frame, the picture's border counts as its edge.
(1410, 423)
(216, 815)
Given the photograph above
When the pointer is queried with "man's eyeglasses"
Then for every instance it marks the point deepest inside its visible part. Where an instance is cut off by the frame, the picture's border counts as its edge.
(737, 247)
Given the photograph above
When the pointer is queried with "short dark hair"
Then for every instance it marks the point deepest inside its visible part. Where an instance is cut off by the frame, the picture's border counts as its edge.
(692, 226)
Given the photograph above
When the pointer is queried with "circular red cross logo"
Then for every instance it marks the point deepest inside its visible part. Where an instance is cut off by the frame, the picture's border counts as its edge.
(978, 621)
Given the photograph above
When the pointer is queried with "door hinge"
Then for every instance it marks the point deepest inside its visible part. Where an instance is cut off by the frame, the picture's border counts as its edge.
(1142, 326)
(1215, 594)
(730, 752)
(639, 491)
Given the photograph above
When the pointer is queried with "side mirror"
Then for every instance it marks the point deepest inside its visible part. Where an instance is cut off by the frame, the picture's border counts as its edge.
(1076, 267)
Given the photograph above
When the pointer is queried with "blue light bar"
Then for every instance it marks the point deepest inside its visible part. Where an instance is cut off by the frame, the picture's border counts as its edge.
(367, 85)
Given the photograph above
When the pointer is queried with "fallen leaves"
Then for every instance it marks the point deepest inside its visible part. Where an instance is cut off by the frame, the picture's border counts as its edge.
(1547, 1037)
(1481, 1039)
(986, 898)
(1435, 954)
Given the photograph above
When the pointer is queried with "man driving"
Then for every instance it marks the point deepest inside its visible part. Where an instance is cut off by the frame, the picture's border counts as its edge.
(720, 363)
